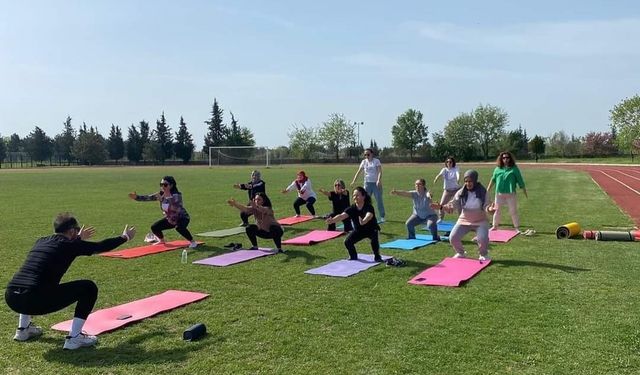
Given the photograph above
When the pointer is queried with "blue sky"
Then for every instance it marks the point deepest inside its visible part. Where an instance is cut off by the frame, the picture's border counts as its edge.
(550, 65)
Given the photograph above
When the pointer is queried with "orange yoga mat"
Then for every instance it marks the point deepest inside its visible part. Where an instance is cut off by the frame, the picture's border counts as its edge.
(141, 251)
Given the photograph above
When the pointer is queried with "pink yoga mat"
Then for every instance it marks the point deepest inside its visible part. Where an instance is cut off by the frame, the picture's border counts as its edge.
(313, 237)
(501, 235)
(115, 317)
(294, 220)
(235, 257)
(450, 272)
(136, 252)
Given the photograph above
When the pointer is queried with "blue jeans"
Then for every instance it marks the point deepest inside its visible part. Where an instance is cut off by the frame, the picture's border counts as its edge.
(374, 191)
(414, 220)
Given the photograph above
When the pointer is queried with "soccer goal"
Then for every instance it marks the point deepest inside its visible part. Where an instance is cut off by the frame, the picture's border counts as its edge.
(238, 155)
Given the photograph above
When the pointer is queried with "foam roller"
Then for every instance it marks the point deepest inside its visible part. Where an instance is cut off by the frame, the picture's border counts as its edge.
(568, 230)
(589, 235)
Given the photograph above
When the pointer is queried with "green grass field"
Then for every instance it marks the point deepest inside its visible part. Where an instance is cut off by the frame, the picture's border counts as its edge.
(545, 306)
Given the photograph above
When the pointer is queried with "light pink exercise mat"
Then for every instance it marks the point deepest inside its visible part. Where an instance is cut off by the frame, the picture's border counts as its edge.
(450, 272)
(294, 220)
(141, 251)
(502, 235)
(313, 237)
(234, 257)
(115, 317)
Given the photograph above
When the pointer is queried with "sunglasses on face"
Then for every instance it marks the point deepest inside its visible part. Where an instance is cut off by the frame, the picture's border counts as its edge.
(164, 184)
(506, 157)
(367, 154)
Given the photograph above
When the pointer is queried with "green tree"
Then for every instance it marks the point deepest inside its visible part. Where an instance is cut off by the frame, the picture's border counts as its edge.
(557, 144)
(89, 148)
(217, 134)
(516, 142)
(184, 143)
(164, 138)
(336, 133)
(115, 143)
(239, 136)
(373, 145)
(63, 142)
(303, 141)
(3, 150)
(15, 143)
(537, 146)
(460, 137)
(38, 145)
(134, 145)
(409, 133)
(145, 135)
(488, 123)
(625, 124)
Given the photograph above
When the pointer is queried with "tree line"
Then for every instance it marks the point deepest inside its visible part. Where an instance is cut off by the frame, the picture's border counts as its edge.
(143, 143)
(476, 135)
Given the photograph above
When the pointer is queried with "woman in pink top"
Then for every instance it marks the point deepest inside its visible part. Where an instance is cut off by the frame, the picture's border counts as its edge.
(471, 201)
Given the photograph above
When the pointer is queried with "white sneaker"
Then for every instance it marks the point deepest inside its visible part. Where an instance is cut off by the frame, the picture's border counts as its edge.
(150, 238)
(193, 245)
(484, 258)
(24, 334)
(381, 220)
(297, 215)
(460, 255)
(82, 340)
(160, 242)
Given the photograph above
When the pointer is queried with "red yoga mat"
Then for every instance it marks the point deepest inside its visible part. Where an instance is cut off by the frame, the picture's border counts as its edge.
(450, 272)
(115, 317)
(294, 220)
(141, 251)
(313, 237)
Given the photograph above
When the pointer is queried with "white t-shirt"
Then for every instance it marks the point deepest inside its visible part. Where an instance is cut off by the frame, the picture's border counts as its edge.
(370, 169)
(450, 177)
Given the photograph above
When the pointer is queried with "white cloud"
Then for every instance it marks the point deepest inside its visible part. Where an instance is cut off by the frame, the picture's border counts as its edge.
(562, 39)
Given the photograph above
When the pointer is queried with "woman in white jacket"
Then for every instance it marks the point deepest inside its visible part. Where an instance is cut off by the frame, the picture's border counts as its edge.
(306, 195)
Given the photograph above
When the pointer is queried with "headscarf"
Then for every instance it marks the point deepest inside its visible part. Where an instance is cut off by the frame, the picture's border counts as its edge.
(481, 192)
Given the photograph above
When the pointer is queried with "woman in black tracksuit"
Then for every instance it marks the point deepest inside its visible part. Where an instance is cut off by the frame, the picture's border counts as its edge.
(256, 185)
(339, 198)
(363, 216)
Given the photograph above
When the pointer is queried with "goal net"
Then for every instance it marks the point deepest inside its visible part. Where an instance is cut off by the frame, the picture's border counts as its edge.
(238, 155)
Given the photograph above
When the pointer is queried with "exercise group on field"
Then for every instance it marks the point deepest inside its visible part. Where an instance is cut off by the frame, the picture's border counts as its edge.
(36, 288)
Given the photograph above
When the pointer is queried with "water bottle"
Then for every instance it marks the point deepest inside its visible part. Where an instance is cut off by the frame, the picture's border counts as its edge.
(183, 258)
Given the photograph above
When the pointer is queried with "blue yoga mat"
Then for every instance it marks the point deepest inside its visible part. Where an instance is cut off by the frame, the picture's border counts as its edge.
(443, 226)
(405, 244)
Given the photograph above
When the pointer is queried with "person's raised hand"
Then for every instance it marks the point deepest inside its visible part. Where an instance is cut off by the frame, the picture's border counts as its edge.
(133, 195)
(86, 232)
(231, 202)
(128, 232)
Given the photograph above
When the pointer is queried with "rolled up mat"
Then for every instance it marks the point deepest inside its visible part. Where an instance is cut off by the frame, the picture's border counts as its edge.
(568, 230)
(605, 235)
(589, 235)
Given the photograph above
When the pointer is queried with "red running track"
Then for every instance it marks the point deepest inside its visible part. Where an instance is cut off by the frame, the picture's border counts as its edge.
(621, 183)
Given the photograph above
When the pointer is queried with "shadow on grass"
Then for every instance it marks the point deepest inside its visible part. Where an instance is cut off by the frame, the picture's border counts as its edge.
(294, 254)
(130, 352)
(526, 263)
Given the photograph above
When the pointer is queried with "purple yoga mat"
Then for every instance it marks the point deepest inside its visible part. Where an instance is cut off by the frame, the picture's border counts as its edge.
(235, 257)
(450, 272)
(313, 237)
(502, 235)
(345, 268)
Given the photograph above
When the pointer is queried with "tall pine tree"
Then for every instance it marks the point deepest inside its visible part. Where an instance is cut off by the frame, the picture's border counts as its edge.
(184, 143)
(218, 133)
(134, 145)
(115, 143)
(64, 141)
(164, 138)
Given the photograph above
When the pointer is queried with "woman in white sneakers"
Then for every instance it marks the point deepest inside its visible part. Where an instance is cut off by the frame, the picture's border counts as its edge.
(306, 195)
(372, 179)
(451, 175)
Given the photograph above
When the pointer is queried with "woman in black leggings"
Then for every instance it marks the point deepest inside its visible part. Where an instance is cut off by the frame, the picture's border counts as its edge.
(363, 216)
(266, 224)
(175, 215)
